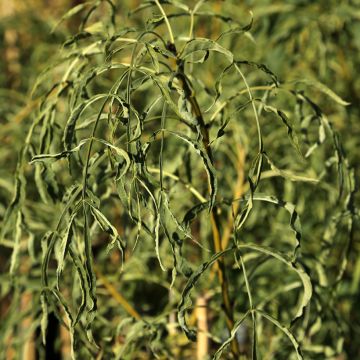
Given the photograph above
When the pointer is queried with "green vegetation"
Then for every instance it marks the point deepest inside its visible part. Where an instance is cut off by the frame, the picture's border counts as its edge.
(178, 181)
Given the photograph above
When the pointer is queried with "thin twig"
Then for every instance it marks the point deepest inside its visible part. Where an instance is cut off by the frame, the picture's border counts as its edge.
(116, 295)
(166, 21)
(176, 178)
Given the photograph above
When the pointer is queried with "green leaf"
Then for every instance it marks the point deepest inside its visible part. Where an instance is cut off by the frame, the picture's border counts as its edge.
(233, 332)
(290, 131)
(119, 152)
(84, 286)
(18, 199)
(202, 44)
(288, 174)
(61, 250)
(238, 29)
(47, 244)
(294, 216)
(16, 250)
(69, 132)
(324, 89)
(261, 67)
(157, 223)
(285, 330)
(73, 11)
(209, 168)
(185, 302)
(304, 277)
(65, 153)
(90, 273)
(106, 226)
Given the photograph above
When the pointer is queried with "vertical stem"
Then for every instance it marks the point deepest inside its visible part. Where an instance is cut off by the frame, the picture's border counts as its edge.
(202, 346)
(28, 352)
(172, 316)
(214, 218)
(215, 224)
(65, 337)
(65, 342)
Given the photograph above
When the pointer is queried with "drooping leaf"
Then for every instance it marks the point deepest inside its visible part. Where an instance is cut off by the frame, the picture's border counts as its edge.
(210, 170)
(324, 89)
(233, 333)
(185, 302)
(304, 277)
(17, 242)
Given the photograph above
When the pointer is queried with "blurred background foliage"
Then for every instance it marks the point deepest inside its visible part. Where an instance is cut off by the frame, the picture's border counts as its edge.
(306, 44)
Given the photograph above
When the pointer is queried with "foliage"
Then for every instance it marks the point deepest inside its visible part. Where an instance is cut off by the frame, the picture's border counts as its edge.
(166, 162)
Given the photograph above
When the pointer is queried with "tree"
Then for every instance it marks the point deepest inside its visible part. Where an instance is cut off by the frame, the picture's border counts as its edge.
(169, 168)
